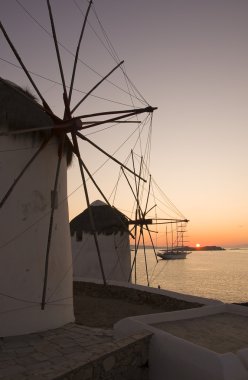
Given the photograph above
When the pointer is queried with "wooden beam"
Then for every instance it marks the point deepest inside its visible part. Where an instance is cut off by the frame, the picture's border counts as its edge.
(77, 53)
(107, 154)
(93, 88)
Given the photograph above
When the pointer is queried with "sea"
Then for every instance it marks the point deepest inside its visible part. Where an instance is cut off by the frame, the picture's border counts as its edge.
(219, 275)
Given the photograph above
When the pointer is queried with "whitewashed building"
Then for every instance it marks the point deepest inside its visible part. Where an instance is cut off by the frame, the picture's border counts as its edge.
(25, 218)
(111, 227)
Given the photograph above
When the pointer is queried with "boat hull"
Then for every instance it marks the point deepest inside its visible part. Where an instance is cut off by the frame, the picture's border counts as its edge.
(167, 255)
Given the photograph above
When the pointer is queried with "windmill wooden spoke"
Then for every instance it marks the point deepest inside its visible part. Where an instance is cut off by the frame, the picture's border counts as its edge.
(134, 259)
(106, 154)
(6, 196)
(81, 162)
(142, 220)
(137, 185)
(97, 85)
(74, 124)
(53, 205)
(148, 195)
(135, 250)
(142, 216)
(144, 250)
(77, 53)
(130, 184)
(146, 220)
(170, 221)
(135, 111)
(89, 123)
(46, 106)
(151, 240)
(149, 229)
(74, 139)
(65, 97)
(114, 119)
(150, 209)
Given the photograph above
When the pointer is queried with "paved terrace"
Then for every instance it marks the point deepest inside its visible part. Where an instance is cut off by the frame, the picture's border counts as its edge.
(88, 350)
(73, 352)
(223, 332)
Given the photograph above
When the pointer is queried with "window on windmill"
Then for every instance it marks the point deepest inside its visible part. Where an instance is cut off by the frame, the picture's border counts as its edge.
(54, 199)
(79, 235)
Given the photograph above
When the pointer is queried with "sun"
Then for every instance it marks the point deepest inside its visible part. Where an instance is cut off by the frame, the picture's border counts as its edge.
(198, 245)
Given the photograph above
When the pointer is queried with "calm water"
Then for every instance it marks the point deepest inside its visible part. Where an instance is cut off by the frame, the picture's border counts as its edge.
(221, 275)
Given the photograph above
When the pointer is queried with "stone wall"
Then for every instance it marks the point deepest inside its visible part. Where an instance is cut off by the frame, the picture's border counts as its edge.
(127, 362)
(132, 295)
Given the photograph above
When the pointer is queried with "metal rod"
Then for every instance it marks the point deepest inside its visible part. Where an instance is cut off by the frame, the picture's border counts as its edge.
(97, 85)
(74, 139)
(46, 106)
(107, 154)
(77, 53)
(5, 197)
(49, 239)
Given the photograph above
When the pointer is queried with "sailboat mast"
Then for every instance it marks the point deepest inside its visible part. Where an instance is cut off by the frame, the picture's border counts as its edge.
(172, 237)
(166, 233)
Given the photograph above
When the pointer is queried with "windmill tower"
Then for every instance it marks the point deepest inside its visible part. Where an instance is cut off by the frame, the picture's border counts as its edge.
(24, 219)
(113, 237)
(35, 253)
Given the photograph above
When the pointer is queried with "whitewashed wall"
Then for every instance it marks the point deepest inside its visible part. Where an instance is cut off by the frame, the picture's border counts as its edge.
(115, 253)
(173, 358)
(24, 223)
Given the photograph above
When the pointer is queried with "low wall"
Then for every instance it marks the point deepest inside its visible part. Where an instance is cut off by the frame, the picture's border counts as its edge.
(173, 358)
(129, 361)
(134, 294)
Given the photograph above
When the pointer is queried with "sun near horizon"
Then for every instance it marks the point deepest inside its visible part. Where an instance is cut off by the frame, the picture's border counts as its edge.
(198, 245)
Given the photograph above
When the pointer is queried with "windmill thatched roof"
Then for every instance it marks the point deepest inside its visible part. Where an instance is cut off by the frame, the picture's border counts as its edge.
(108, 221)
(20, 110)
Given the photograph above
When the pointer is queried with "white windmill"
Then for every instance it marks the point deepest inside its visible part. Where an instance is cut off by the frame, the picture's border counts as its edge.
(35, 253)
(113, 238)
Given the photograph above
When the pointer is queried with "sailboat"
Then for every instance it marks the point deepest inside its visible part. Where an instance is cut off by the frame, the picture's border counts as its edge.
(177, 251)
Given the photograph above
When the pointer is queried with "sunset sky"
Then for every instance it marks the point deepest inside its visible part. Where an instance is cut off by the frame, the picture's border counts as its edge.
(189, 58)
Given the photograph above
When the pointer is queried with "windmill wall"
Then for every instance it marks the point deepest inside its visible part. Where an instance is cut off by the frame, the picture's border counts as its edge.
(115, 254)
(24, 224)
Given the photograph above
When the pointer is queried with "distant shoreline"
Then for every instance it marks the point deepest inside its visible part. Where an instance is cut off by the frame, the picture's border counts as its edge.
(187, 248)
(206, 248)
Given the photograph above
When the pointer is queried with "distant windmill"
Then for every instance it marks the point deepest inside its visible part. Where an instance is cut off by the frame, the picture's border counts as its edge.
(35, 253)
